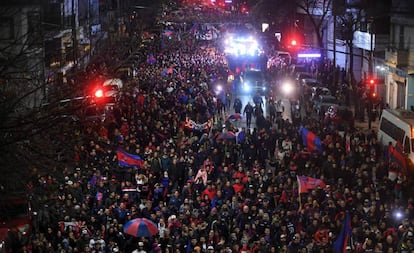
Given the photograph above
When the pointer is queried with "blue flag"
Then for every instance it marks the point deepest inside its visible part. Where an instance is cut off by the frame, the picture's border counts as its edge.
(341, 241)
(310, 140)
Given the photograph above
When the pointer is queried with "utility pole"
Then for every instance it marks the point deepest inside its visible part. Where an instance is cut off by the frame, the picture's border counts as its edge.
(371, 72)
(338, 9)
(74, 39)
(334, 42)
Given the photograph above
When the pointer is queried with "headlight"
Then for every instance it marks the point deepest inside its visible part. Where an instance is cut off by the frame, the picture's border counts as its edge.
(219, 89)
(24, 229)
(264, 88)
(287, 88)
(246, 87)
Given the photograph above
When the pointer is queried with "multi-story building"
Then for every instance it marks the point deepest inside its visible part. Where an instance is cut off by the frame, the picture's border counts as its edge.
(399, 56)
(42, 41)
(383, 48)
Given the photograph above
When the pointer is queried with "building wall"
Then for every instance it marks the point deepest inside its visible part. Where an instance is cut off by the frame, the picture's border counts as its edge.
(400, 57)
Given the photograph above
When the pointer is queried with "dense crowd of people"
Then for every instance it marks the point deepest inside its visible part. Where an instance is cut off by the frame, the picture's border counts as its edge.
(209, 192)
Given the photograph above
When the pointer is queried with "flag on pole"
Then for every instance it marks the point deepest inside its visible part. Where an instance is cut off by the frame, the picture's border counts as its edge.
(310, 140)
(126, 159)
(308, 183)
(344, 236)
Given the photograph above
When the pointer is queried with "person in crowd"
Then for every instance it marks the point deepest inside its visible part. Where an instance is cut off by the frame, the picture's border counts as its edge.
(248, 111)
(207, 194)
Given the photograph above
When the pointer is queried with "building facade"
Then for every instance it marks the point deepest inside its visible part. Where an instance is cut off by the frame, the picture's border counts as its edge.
(399, 56)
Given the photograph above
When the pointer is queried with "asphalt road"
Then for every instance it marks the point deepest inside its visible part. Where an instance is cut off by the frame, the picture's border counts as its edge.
(245, 98)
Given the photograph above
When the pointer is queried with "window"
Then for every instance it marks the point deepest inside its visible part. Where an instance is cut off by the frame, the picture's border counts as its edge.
(6, 28)
(407, 145)
(392, 130)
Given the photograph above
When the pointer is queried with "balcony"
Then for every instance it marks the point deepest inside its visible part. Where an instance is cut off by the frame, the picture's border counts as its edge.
(397, 57)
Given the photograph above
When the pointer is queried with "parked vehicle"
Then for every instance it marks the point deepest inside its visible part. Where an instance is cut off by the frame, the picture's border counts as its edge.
(306, 85)
(397, 126)
(317, 91)
(323, 102)
(341, 116)
(303, 75)
(253, 81)
(15, 222)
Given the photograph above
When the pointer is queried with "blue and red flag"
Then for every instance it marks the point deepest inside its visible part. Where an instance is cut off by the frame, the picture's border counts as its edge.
(308, 183)
(168, 33)
(99, 196)
(344, 236)
(397, 157)
(151, 59)
(193, 28)
(310, 140)
(126, 159)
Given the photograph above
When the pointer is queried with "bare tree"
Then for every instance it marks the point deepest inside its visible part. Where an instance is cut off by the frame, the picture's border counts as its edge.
(271, 10)
(347, 25)
(317, 12)
(26, 122)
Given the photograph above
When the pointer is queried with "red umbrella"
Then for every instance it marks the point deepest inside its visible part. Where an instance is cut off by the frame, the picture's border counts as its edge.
(141, 227)
(235, 116)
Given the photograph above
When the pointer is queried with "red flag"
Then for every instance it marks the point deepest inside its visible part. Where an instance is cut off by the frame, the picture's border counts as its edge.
(308, 183)
(396, 156)
(128, 160)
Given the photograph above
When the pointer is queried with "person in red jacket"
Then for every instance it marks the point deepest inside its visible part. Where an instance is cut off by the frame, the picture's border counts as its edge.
(210, 191)
(238, 186)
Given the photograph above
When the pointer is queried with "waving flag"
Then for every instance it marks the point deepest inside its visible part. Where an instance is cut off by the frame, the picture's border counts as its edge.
(308, 183)
(310, 140)
(341, 242)
(193, 28)
(168, 33)
(192, 125)
(126, 159)
(151, 59)
(396, 156)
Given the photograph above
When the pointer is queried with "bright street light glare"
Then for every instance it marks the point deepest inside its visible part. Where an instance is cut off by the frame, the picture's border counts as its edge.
(219, 89)
(398, 215)
(246, 87)
(287, 88)
(99, 93)
(242, 46)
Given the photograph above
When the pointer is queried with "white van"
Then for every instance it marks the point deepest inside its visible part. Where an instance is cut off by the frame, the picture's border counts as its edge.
(398, 126)
(112, 87)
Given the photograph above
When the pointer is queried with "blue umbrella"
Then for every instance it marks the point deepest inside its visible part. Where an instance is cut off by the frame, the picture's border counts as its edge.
(141, 227)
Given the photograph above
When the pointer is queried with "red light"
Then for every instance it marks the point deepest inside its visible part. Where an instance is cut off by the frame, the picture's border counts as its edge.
(293, 42)
(99, 93)
(371, 81)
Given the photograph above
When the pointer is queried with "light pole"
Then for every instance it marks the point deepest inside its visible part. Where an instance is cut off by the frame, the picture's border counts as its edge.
(371, 72)
(74, 39)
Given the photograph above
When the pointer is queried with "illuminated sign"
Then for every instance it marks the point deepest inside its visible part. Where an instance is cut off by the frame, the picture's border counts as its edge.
(363, 40)
(309, 55)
